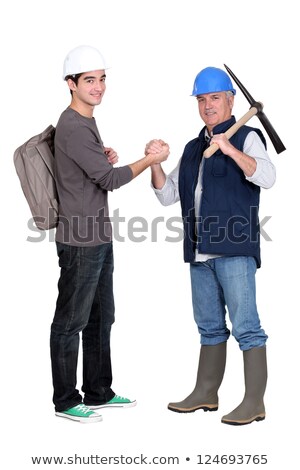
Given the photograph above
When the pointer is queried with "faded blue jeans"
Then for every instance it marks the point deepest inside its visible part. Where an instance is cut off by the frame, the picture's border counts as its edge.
(85, 304)
(226, 282)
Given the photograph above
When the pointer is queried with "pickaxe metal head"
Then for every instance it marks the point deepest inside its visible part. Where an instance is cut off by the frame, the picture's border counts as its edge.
(276, 141)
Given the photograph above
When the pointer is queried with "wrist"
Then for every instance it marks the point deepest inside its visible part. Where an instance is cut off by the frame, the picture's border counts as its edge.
(150, 159)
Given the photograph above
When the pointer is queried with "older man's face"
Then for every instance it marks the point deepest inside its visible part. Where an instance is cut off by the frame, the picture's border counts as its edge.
(215, 108)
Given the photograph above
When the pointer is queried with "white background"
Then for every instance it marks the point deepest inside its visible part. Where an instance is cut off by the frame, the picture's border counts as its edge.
(155, 49)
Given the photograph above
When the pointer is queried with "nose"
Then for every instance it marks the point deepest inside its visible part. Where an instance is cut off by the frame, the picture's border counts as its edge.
(208, 104)
(100, 85)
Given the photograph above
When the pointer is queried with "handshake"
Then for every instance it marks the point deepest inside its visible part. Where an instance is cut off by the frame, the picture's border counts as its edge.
(157, 150)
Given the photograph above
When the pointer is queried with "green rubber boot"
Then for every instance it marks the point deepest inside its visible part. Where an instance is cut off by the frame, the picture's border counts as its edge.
(252, 407)
(209, 378)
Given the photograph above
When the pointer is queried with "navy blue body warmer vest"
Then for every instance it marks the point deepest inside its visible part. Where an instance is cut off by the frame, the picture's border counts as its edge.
(228, 222)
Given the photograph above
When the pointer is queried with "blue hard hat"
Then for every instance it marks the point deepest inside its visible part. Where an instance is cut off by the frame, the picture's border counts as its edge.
(212, 80)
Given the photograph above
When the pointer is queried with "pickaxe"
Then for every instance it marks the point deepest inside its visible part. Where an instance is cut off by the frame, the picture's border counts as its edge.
(256, 108)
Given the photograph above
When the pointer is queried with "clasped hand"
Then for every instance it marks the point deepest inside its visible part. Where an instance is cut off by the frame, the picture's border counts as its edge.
(159, 149)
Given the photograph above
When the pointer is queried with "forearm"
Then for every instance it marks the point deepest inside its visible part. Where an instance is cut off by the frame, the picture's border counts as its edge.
(246, 163)
(138, 167)
(158, 177)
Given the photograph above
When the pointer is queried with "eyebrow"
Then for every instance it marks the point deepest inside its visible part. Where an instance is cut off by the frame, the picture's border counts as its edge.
(92, 77)
(217, 93)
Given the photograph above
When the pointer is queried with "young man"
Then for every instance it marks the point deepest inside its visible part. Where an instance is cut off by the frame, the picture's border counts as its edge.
(85, 303)
(220, 200)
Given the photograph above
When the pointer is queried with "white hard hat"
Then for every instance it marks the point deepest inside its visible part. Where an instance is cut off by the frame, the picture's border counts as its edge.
(83, 59)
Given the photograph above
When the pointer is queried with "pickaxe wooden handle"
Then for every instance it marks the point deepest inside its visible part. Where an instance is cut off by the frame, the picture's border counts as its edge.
(233, 129)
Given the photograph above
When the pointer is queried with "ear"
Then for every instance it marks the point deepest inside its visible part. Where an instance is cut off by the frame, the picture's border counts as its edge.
(72, 85)
(231, 101)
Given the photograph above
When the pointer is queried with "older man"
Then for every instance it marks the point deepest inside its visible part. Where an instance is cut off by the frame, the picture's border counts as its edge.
(220, 201)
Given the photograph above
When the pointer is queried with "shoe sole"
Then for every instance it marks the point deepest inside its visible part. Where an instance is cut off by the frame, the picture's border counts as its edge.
(192, 410)
(242, 422)
(94, 419)
(113, 405)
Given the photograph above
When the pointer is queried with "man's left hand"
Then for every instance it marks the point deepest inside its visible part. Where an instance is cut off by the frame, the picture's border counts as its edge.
(112, 156)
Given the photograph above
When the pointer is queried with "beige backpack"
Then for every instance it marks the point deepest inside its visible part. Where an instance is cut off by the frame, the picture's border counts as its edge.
(34, 163)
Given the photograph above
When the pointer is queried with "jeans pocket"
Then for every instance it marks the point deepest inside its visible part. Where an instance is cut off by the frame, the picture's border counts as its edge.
(64, 254)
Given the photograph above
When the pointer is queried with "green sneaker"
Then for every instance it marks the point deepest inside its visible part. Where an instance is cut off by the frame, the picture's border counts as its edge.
(115, 402)
(81, 413)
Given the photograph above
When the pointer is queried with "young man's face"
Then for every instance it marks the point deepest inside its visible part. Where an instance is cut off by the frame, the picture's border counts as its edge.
(90, 88)
(215, 108)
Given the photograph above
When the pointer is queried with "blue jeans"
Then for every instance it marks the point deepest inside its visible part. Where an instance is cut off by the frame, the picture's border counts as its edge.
(221, 282)
(85, 304)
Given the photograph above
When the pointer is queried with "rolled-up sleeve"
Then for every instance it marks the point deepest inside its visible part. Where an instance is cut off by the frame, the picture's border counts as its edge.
(169, 193)
(265, 173)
